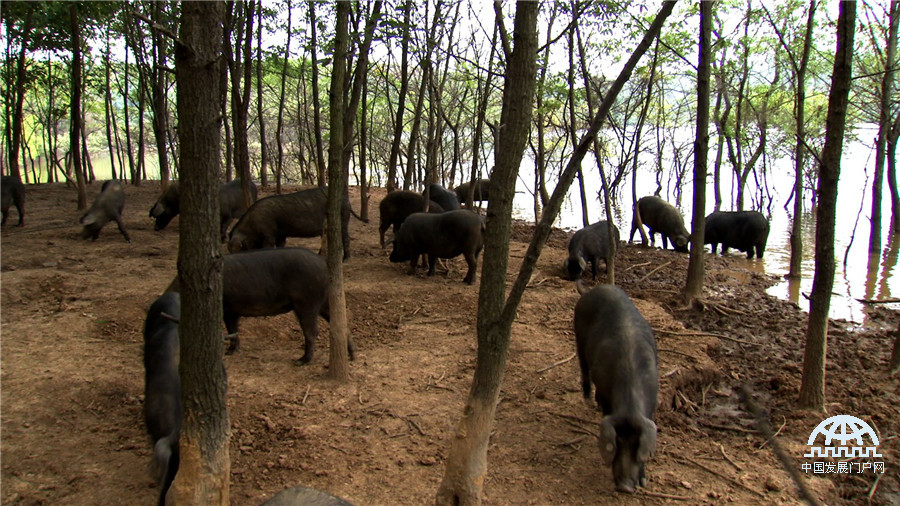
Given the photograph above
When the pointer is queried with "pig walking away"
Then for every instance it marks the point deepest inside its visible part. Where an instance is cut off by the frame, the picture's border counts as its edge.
(270, 221)
(617, 352)
(482, 191)
(589, 244)
(231, 204)
(662, 217)
(162, 388)
(741, 230)
(13, 193)
(444, 235)
(306, 496)
(107, 206)
(397, 205)
(271, 282)
(442, 196)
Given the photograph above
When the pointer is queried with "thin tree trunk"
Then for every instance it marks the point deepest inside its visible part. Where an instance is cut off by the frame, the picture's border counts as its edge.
(812, 388)
(107, 106)
(17, 120)
(338, 366)
(484, 98)
(132, 170)
(203, 475)
(279, 164)
(158, 96)
(75, 97)
(363, 146)
(317, 106)
(796, 268)
(263, 149)
(693, 287)
(884, 128)
(401, 100)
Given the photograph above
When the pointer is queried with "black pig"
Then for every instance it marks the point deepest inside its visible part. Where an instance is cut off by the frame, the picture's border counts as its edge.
(741, 230)
(107, 206)
(162, 388)
(617, 352)
(444, 235)
(589, 244)
(13, 192)
(270, 221)
(397, 205)
(274, 281)
(482, 191)
(662, 217)
(442, 196)
(231, 204)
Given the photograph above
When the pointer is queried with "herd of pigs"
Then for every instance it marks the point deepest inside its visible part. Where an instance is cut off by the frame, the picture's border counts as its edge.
(615, 345)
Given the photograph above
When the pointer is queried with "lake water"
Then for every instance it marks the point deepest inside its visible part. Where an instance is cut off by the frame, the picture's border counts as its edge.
(862, 277)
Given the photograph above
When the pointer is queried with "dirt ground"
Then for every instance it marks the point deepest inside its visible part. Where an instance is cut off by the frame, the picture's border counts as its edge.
(72, 380)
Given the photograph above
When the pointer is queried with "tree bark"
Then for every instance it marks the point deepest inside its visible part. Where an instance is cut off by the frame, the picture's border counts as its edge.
(279, 127)
(693, 287)
(884, 129)
(401, 101)
(263, 149)
(317, 106)
(158, 97)
(467, 461)
(17, 120)
(75, 97)
(338, 367)
(240, 60)
(203, 475)
(796, 265)
(812, 388)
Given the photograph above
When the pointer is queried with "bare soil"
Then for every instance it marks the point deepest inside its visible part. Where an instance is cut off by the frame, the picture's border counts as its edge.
(72, 381)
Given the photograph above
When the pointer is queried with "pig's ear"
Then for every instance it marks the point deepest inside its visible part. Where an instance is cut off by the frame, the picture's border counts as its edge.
(607, 440)
(647, 440)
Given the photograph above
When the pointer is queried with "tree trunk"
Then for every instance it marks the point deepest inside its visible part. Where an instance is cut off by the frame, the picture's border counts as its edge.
(279, 163)
(203, 475)
(884, 128)
(132, 169)
(693, 287)
(484, 99)
(338, 367)
(363, 146)
(75, 97)
(158, 96)
(796, 265)
(17, 120)
(401, 100)
(263, 149)
(317, 106)
(467, 461)
(892, 174)
(107, 106)
(240, 60)
(812, 389)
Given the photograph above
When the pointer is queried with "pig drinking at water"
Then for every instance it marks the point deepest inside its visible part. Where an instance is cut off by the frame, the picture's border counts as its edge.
(442, 196)
(589, 244)
(270, 221)
(741, 230)
(107, 206)
(397, 205)
(444, 235)
(162, 388)
(231, 204)
(13, 192)
(662, 217)
(617, 352)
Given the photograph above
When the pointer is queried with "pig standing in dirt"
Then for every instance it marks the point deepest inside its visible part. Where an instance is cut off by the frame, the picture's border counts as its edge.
(589, 244)
(397, 206)
(444, 235)
(162, 389)
(662, 217)
(741, 230)
(231, 204)
(270, 221)
(107, 206)
(13, 192)
(617, 352)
